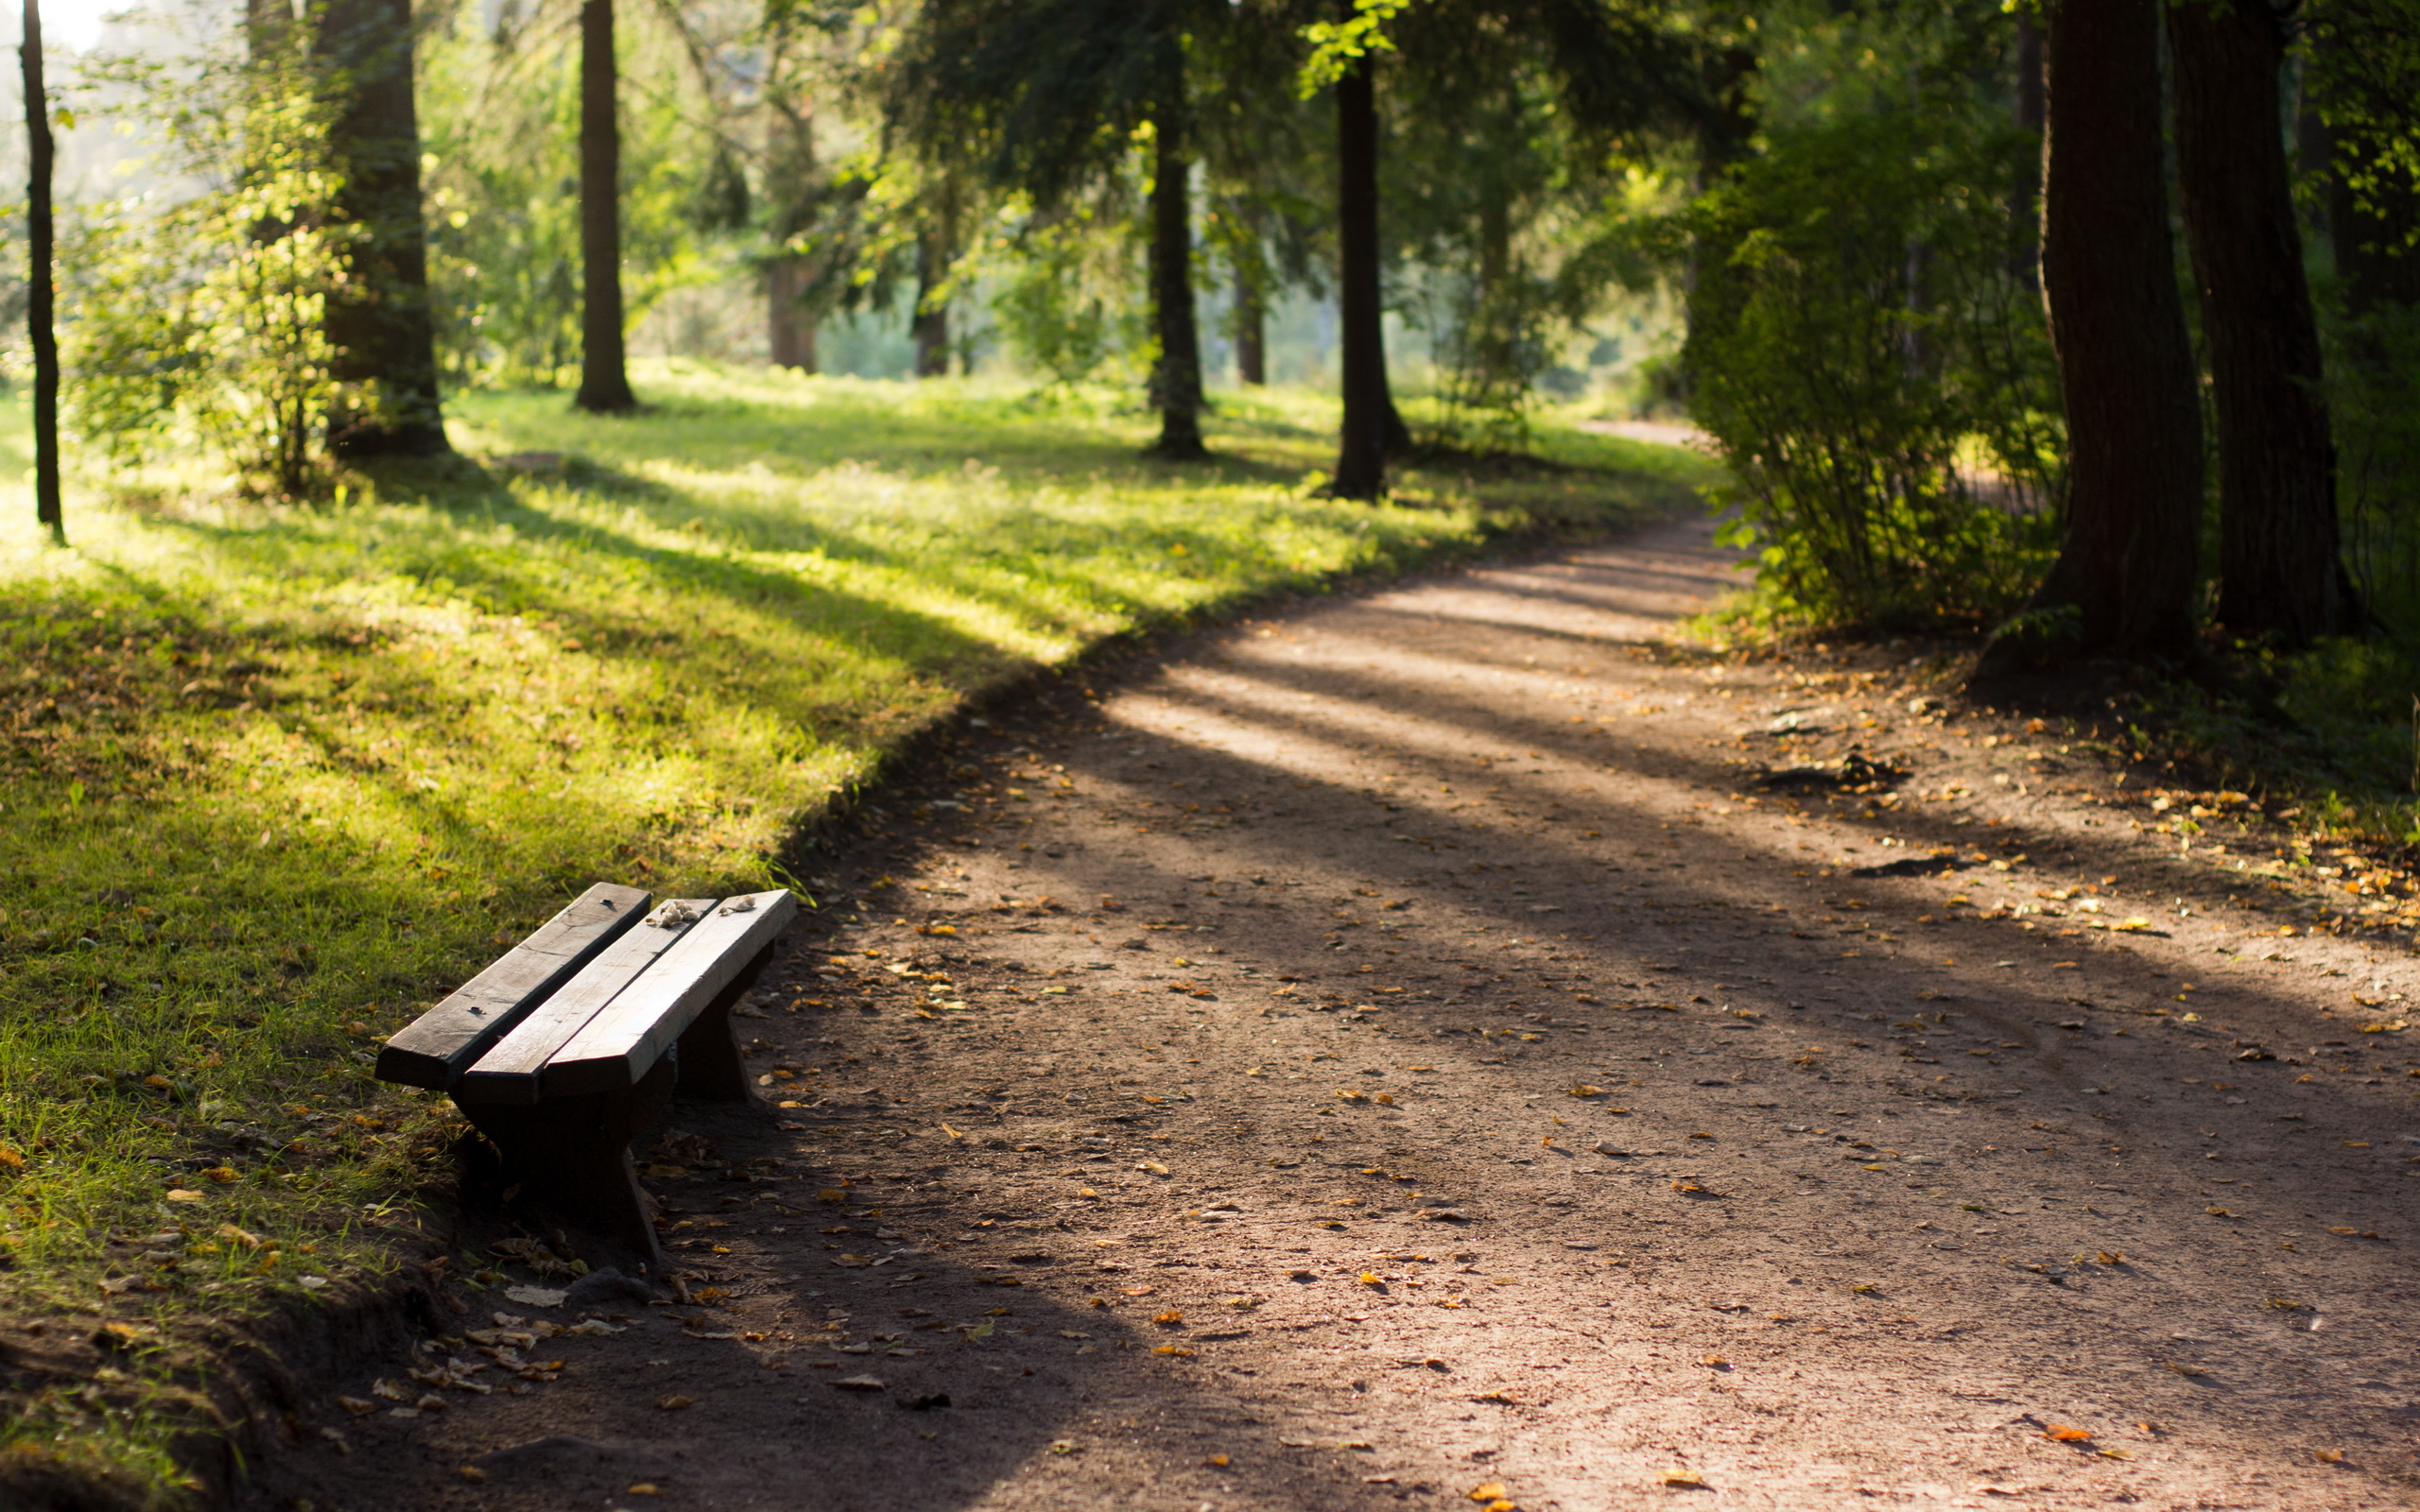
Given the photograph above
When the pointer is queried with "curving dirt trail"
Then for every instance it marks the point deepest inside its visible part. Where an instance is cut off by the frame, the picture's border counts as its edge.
(1391, 1050)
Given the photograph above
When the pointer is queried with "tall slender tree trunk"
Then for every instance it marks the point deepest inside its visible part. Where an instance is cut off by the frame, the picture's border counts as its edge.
(2024, 196)
(930, 324)
(1176, 376)
(1251, 318)
(2126, 569)
(2281, 573)
(789, 336)
(1361, 452)
(39, 295)
(380, 323)
(604, 376)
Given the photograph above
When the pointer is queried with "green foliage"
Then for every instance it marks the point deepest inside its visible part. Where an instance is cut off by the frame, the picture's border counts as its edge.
(2374, 404)
(2363, 73)
(1066, 304)
(500, 127)
(202, 319)
(1877, 378)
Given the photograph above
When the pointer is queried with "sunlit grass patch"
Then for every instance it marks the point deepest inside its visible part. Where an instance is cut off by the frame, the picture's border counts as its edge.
(270, 781)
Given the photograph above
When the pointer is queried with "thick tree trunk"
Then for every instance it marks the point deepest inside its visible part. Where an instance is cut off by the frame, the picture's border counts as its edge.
(930, 324)
(1176, 376)
(789, 336)
(39, 294)
(2126, 570)
(1495, 345)
(604, 379)
(380, 323)
(2281, 575)
(2025, 203)
(1362, 453)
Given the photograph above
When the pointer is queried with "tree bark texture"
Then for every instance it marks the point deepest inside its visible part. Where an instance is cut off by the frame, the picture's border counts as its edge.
(604, 376)
(2281, 575)
(789, 336)
(380, 323)
(930, 324)
(1362, 453)
(2127, 566)
(40, 329)
(1176, 376)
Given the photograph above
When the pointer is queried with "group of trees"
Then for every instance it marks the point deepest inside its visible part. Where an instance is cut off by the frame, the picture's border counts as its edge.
(1936, 317)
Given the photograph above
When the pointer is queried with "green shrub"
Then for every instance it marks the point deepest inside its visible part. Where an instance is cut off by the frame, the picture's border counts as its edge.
(1877, 376)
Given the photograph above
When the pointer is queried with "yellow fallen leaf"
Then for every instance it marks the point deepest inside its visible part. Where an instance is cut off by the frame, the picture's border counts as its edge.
(1170, 1318)
(2117, 1453)
(472, 1473)
(1586, 1091)
(2111, 1257)
(11, 1158)
(950, 1133)
(1177, 1350)
(357, 1406)
(1686, 1480)
(179, 1195)
(1486, 1491)
(220, 1174)
(2061, 1433)
(674, 1401)
(2220, 1212)
(1371, 1277)
(2328, 1456)
(1350, 1096)
(643, 1488)
(1386, 1098)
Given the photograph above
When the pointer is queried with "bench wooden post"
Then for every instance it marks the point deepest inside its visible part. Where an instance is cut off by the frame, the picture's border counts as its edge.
(570, 1160)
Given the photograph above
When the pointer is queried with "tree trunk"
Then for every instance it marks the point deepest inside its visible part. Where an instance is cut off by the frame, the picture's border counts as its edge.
(1362, 453)
(1251, 330)
(2024, 200)
(1176, 377)
(39, 294)
(604, 380)
(930, 325)
(379, 322)
(2281, 577)
(789, 337)
(2126, 570)
(1495, 347)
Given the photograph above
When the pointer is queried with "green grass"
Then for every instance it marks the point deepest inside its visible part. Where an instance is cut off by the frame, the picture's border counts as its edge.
(272, 779)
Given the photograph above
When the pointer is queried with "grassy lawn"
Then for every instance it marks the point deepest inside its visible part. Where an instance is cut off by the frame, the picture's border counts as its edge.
(273, 779)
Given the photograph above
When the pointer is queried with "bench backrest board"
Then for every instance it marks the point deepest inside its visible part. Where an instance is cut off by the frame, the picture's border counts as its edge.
(619, 1045)
(440, 1044)
(509, 1071)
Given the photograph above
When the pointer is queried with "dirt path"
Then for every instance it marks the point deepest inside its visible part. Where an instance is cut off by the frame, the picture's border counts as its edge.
(1385, 1052)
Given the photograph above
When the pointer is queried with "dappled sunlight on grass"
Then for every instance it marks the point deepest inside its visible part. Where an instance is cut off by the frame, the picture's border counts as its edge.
(274, 778)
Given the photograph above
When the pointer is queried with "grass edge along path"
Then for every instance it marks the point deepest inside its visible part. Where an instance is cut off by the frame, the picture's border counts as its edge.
(273, 779)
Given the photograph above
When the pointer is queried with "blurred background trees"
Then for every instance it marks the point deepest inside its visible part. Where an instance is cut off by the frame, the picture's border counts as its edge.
(1813, 232)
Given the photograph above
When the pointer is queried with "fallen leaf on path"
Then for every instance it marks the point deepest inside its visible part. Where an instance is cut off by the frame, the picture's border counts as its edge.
(1177, 1350)
(472, 1473)
(859, 1383)
(2061, 1433)
(674, 1401)
(2328, 1456)
(1685, 1481)
(358, 1406)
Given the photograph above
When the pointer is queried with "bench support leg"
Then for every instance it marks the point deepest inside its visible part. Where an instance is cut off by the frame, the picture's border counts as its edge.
(711, 1068)
(569, 1159)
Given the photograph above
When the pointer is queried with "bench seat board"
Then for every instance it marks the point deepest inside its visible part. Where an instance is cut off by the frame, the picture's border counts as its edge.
(509, 1071)
(624, 1040)
(437, 1047)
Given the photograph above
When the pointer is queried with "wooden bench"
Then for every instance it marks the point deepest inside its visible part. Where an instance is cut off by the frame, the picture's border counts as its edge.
(568, 1047)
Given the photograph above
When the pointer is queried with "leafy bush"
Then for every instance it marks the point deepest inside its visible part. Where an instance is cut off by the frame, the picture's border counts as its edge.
(1876, 372)
(203, 319)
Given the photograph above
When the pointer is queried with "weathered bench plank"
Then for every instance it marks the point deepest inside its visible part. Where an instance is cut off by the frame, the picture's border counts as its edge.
(510, 1072)
(440, 1044)
(625, 1040)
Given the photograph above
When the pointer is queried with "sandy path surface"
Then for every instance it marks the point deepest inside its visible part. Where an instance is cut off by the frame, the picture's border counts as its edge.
(1392, 1051)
